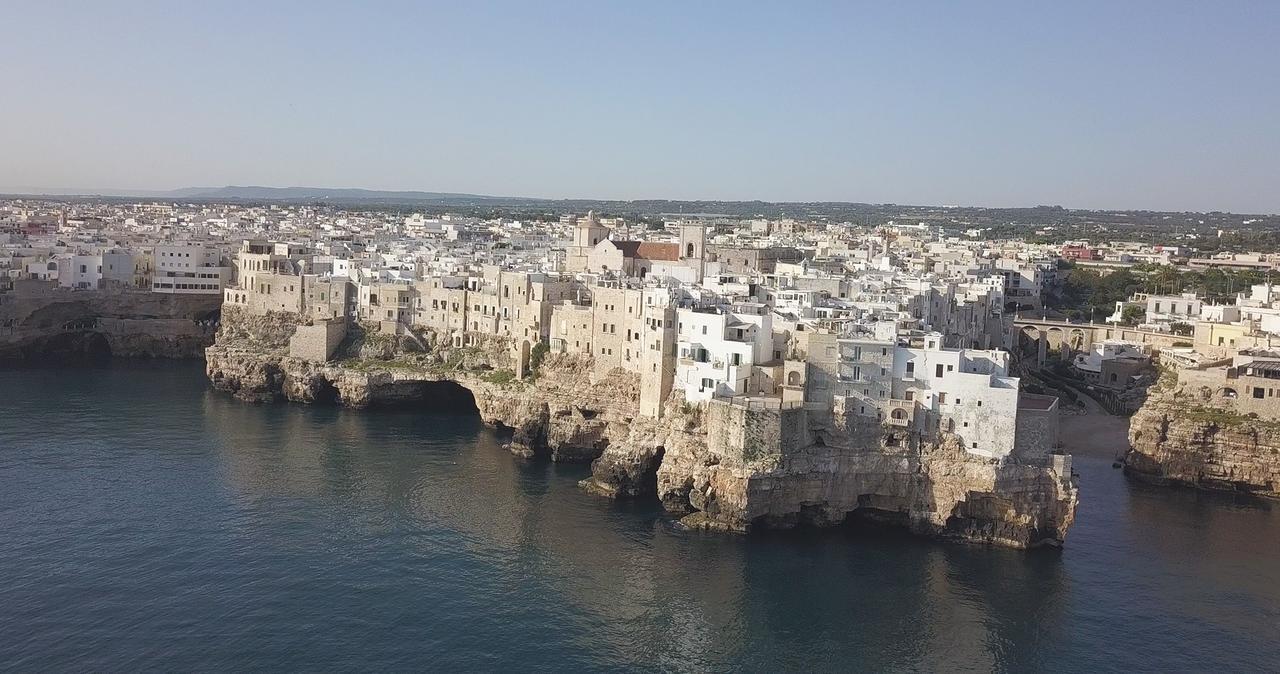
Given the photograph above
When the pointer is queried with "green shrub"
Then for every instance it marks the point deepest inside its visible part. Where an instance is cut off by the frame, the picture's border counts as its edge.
(537, 355)
(499, 377)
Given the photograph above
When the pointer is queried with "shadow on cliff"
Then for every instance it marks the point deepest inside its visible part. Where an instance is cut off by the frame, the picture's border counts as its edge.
(60, 348)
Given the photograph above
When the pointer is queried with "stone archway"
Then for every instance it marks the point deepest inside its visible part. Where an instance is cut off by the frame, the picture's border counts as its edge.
(1031, 341)
(1055, 338)
(1029, 337)
(1077, 340)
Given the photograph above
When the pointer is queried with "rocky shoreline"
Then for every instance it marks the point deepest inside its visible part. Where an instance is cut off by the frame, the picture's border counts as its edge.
(701, 461)
(39, 323)
(1178, 439)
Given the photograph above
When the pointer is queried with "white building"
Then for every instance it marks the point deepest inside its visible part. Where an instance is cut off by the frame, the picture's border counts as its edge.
(969, 390)
(719, 351)
(79, 271)
(189, 268)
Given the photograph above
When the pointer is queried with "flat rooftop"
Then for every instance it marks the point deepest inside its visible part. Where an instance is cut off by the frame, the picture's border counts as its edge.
(1035, 401)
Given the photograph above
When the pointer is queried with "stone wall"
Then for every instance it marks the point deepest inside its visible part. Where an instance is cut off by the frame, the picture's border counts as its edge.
(1216, 387)
(1037, 432)
(319, 341)
(755, 433)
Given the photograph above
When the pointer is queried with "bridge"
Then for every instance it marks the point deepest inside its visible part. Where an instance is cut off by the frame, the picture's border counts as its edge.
(1067, 338)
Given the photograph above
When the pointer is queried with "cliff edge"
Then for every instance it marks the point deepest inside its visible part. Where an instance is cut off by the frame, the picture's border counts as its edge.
(1179, 437)
(39, 321)
(718, 465)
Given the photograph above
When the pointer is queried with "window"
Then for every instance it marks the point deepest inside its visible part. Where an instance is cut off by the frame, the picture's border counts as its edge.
(937, 371)
(1259, 392)
(911, 367)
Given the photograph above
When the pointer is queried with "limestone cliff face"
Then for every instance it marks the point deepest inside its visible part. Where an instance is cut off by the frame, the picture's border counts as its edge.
(716, 466)
(566, 411)
(823, 469)
(1178, 438)
(39, 322)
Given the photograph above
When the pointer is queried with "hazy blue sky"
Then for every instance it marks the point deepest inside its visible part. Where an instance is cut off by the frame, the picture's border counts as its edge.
(1119, 104)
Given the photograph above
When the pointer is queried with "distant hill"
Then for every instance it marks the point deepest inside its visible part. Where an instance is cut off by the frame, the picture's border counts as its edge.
(259, 193)
(1078, 223)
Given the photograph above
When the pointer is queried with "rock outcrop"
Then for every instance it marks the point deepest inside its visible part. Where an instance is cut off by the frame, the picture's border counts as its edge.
(716, 466)
(41, 322)
(566, 412)
(1179, 438)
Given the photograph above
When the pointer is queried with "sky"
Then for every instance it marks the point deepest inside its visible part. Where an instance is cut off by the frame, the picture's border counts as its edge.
(1159, 105)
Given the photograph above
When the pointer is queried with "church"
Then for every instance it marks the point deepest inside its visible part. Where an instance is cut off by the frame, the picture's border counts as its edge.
(593, 251)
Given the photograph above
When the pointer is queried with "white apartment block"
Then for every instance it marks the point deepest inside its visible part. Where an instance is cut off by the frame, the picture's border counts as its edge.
(930, 389)
(721, 350)
(189, 269)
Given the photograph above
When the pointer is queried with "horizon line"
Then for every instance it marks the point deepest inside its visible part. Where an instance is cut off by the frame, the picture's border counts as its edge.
(151, 193)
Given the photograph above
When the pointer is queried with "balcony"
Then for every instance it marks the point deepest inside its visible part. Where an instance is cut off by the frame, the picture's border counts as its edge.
(902, 413)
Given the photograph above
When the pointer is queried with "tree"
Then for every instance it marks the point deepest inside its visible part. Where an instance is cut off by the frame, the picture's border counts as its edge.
(1164, 279)
(537, 355)
(1132, 314)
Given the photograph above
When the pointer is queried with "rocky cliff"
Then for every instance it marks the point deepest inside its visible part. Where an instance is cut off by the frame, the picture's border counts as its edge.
(1179, 438)
(40, 322)
(715, 465)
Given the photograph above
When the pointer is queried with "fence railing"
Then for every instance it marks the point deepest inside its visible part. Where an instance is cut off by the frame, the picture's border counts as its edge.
(760, 403)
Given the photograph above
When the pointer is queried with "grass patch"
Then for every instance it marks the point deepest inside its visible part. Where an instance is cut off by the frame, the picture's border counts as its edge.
(499, 377)
(1221, 417)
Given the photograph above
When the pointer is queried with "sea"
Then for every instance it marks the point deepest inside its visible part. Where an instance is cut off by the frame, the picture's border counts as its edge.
(150, 523)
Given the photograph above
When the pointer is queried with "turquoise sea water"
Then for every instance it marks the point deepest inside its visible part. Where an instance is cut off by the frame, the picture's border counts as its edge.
(147, 522)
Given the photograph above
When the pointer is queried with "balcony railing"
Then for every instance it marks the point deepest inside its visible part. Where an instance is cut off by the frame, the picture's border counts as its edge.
(901, 412)
(760, 402)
